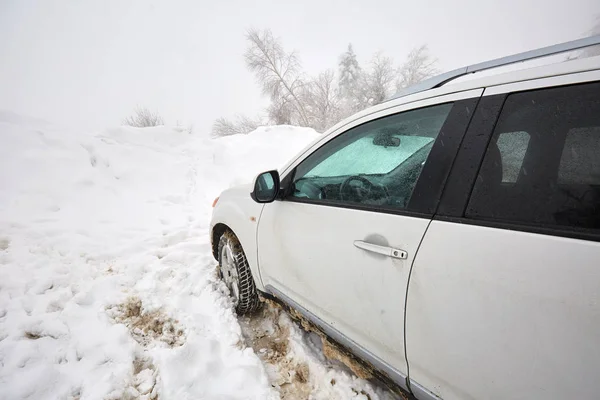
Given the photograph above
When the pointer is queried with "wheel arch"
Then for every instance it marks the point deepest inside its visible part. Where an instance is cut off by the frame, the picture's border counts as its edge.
(240, 218)
(217, 231)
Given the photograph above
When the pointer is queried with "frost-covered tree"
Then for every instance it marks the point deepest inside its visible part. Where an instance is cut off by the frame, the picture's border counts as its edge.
(322, 101)
(350, 74)
(353, 90)
(280, 111)
(242, 125)
(278, 72)
(378, 82)
(419, 65)
(142, 117)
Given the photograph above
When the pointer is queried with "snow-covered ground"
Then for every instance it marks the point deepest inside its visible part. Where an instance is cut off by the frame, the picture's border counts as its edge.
(107, 285)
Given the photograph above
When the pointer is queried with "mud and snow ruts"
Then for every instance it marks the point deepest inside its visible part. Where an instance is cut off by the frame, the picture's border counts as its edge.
(107, 284)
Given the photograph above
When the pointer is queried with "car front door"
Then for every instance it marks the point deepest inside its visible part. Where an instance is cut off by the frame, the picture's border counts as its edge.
(340, 245)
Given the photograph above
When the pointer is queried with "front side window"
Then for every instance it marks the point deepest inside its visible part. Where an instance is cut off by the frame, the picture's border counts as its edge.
(377, 163)
(549, 174)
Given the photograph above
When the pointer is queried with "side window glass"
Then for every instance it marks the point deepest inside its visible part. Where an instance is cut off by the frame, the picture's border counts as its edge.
(377, 163)
(547, 170)
(512, 147)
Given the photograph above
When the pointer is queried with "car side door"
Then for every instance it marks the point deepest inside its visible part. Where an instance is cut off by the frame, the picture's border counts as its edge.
(503, 295)
(340, 244)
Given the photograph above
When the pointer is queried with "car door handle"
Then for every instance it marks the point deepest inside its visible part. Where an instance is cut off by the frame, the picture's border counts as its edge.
(384, 250)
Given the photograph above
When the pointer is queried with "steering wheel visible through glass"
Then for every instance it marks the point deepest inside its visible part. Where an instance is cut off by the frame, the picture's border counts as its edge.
(358, 189)
(305, 188)
(377, 163)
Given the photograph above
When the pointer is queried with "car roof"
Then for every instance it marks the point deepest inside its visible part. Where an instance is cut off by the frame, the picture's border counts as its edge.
(556, 69)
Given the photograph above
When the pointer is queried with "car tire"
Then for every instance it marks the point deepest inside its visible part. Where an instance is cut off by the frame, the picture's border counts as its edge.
(235, 272)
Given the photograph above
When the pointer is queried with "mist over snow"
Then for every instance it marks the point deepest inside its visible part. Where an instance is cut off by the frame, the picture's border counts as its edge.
(90, 63)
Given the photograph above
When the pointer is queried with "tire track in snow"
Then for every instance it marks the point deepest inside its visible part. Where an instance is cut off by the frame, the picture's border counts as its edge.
(296, 363)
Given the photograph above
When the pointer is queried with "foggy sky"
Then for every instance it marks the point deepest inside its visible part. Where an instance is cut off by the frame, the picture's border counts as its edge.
(89, 63)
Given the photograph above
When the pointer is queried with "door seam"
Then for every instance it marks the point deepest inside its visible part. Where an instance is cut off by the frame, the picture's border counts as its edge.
(256, 243)
(406, 304)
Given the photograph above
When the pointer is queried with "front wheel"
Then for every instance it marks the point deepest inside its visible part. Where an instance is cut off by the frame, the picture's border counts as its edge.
(235, 272)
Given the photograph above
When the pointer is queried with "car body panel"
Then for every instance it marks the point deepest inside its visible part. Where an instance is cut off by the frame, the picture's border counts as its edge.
(500, 310)
(500, 314)
(553, 81)
(381, 366)
(238, 212)
(307, 252)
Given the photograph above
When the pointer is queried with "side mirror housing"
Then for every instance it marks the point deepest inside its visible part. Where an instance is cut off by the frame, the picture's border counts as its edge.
(266, 187)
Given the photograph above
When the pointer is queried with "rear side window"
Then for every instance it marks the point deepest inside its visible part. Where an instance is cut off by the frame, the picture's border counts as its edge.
(542, 165)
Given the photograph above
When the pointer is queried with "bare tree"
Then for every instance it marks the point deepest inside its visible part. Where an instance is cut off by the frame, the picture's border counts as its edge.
(322, 101)
(419, 65)
(242, 125)
(277, 72)
(142, 118)
(325, 99)
(379, 80)
(280, 111)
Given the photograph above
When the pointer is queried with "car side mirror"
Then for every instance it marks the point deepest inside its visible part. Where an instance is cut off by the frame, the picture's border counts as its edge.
(266, 187)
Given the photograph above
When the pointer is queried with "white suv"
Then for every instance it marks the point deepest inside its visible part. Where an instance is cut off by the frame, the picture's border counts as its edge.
(450, 237)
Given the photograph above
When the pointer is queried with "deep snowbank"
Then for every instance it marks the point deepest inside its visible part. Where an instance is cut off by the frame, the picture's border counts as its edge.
(107, 282)
(125, 180)
(91, 223)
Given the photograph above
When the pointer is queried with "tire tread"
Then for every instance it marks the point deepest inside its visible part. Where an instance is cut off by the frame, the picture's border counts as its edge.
(248, 301)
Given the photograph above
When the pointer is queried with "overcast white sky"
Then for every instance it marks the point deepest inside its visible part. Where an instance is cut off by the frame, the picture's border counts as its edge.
(89, 63)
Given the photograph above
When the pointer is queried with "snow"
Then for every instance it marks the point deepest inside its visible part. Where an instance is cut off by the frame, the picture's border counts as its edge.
(107, 284)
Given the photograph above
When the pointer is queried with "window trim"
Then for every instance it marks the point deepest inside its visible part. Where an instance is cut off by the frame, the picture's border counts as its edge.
(461, 181)
(433, 176)
(467, 163)
(360, 207)
(544, 83)
(540, 229)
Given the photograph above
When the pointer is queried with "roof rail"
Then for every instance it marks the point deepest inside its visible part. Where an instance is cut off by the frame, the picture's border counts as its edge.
(446, 77)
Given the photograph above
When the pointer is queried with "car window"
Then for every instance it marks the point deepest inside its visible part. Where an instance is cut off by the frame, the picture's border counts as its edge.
(362, 157)
(376, 163)
(551, 175)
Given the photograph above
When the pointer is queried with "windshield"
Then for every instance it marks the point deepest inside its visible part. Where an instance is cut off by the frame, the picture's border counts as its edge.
(373, 160)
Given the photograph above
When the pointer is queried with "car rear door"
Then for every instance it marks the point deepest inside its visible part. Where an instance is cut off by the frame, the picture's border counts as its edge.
(323, 248)
(503, 301)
